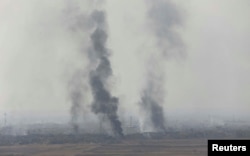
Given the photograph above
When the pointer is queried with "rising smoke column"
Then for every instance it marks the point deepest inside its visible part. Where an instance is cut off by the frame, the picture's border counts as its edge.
(99, 70)
(163, 17)
(152, 99)
(76, 21)
(76, 90)
(104, 103)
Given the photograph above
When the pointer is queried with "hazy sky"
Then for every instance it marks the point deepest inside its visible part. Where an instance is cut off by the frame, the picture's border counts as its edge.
(40, 49)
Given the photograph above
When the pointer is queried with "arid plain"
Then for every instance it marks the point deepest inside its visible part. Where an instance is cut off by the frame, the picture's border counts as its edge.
(152, 147)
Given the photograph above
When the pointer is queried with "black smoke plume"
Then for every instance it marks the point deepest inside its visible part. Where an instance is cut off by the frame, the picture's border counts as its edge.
(104, 103)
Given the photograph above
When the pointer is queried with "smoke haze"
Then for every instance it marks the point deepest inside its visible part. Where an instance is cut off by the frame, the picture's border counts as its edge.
(193, 62)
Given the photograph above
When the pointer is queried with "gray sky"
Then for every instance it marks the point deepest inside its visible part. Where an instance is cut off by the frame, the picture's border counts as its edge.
(39, 52)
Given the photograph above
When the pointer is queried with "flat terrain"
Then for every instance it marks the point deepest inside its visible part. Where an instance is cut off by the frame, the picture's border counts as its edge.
(150, 147)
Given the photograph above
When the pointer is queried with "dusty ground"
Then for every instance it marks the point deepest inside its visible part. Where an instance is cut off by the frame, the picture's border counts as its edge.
(163, 147)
